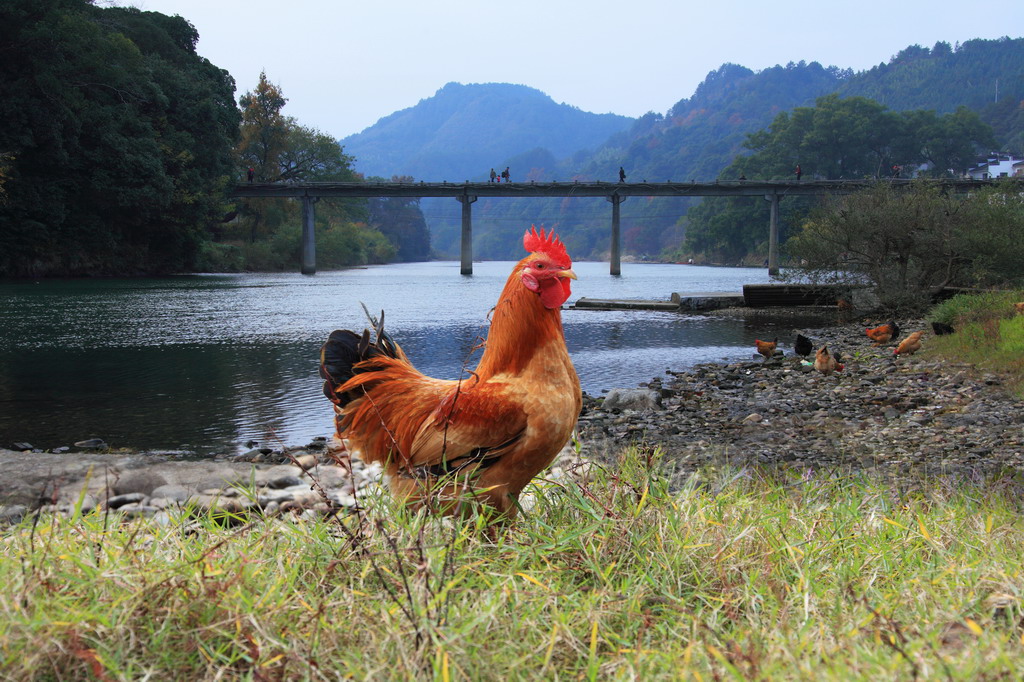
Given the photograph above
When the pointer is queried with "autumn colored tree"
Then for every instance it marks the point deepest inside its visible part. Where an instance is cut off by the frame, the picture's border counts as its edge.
(264, 130)
(267, 234)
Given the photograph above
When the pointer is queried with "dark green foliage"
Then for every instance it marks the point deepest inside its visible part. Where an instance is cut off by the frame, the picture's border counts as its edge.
(401, 221)
(976, 74)
(838, 138)
(910, 243)
(120, 137)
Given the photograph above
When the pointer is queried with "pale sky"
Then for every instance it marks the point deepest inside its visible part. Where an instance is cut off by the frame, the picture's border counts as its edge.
(344, 64)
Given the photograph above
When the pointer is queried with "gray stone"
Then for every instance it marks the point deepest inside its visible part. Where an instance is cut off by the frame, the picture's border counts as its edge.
(92, 444)
(139, 511)
(632, 399)
(12, 513)
(306, 461)
(330, 476)
(284, 482)
(138, 482)
(221, 480)
(921, 414)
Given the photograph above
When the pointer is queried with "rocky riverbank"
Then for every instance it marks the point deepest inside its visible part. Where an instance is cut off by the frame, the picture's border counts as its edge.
(305, 480)
(903, 416)
(899, 415)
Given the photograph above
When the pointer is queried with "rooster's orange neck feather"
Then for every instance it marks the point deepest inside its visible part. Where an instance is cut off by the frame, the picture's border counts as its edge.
(520, 326)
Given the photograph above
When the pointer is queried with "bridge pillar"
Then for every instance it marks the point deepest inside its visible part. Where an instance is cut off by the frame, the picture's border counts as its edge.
(467, 233)
(773, 234)
(308, 235)
(616, 252)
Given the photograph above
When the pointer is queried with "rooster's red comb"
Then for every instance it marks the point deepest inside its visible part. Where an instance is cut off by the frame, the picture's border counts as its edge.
(549, 244)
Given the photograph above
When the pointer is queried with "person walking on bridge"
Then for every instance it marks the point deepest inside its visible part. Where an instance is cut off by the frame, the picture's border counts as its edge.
(798, 172)
(494, 175)
(622, 174)
(505, 175)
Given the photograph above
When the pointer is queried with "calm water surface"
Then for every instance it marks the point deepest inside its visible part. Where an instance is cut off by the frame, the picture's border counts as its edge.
(207, 362)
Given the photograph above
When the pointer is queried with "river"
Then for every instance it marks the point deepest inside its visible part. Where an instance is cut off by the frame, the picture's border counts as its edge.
(204, 363)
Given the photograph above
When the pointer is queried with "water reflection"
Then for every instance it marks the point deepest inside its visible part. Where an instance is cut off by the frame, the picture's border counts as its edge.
(208, 362)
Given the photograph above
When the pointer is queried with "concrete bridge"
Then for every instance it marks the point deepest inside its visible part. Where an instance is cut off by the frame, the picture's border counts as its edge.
(614, 192)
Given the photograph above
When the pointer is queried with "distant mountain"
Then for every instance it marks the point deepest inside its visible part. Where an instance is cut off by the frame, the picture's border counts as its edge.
(986, 76)
(465, 130)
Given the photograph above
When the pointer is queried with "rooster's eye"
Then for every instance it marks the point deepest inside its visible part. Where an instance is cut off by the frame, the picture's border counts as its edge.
(539, 266)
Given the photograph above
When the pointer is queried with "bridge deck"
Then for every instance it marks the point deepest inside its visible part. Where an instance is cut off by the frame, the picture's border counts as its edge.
(577, 189)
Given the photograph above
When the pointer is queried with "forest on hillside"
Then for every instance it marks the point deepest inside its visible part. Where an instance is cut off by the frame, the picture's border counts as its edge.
(120, 143)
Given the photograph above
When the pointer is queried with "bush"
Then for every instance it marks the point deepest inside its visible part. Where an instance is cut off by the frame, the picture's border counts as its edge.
(215, 257)
(351, 244)
(911, 243)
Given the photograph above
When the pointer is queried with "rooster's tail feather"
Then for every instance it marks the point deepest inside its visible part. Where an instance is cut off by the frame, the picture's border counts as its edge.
(345, 349)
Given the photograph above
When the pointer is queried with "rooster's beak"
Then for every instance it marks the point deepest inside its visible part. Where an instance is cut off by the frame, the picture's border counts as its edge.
(569, 274)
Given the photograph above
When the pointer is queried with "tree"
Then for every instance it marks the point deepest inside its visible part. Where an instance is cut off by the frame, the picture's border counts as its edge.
(279, 149)
(837, 138)
(109, 171)
(264, 130)
(910, 243)
(948, 144)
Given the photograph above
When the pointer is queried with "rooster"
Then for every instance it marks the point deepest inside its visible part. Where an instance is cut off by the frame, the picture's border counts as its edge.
(942, 329)
(826, 363)
(884, 333)
(766, 348)
(481, 438)
(909, 345)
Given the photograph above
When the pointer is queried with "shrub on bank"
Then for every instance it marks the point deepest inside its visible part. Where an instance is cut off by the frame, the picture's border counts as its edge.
(910, 243)
(337, 246)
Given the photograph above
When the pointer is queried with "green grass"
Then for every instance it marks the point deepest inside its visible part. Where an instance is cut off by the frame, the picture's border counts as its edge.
(989, 333)
(617, 575)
